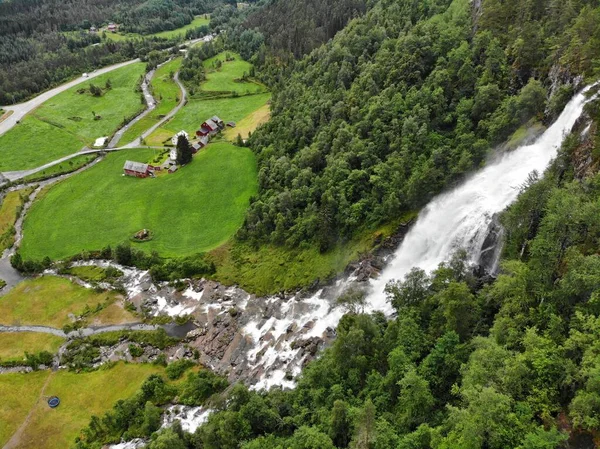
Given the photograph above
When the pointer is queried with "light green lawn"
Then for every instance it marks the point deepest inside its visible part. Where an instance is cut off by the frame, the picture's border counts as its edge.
(64, 167)
(81, 396)
(191, 116)
(166, 92)
(19, 392)
(48, 300)
(13, 345)
(65, 123)
(179, 32)
(227, 77)
(193, 210)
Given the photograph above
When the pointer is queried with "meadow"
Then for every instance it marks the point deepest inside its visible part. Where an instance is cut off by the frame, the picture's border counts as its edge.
(48, 300)
(195, 209)
(224, 73)
(178, 32)
(191, 116)
(67, 122)
(13, 345)
(19, 393)
(81, 396)
(166, 92)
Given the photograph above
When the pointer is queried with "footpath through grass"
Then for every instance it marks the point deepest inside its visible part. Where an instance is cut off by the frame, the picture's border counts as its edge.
(19, 393)
(13, 345)
(48, 300)
(67, 122)
(195, 209)
(81, 396)
(166, 92)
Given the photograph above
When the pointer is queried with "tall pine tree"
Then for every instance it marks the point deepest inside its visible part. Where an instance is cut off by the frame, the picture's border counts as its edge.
(184, 151)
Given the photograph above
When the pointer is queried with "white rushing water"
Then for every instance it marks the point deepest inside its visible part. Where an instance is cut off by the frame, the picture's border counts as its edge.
(461, 218)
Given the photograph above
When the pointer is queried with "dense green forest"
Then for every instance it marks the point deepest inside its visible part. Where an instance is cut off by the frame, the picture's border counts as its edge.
(36, 53)
(402, 103)
(467, 363)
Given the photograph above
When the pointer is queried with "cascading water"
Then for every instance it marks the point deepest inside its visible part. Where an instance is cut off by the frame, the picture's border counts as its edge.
(266, 341)
(461, 217)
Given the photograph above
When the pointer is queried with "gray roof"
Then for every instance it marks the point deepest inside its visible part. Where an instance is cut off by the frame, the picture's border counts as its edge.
(216, 119)
(210, 122)
(204, 140)
(138, 167)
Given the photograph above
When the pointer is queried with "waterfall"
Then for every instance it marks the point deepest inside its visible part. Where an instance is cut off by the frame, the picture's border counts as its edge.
(461, 217)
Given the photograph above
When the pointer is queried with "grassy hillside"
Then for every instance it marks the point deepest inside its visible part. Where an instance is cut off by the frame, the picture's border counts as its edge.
(49, 301)
(195, 209)
(196, 111)
(224, 73)
(19, 393)
(14, 345)
(166, 92)
(178, 32)
(65, 123)
(81, 395)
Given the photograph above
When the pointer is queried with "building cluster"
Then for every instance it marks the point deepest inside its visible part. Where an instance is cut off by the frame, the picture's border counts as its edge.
(208, 129)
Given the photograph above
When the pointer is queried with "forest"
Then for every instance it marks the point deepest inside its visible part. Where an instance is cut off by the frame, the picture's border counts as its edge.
(467, 362)
(46, 42)
(402, 103)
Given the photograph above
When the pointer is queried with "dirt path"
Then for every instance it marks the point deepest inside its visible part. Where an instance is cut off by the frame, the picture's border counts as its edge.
(15, 440)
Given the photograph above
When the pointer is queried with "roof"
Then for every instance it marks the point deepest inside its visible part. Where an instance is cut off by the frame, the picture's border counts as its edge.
(138, 167)
(196, 146)
(211, 124)
(203, 140)
(216, 119)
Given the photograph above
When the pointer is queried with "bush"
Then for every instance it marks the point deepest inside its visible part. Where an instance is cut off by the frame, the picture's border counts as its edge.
(176, 369)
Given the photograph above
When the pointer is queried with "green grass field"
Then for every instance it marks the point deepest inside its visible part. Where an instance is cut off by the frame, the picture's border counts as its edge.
(193, 210)
(59, 169)
(166, 92)
(191, 116)
(81, 396)
(19, 393)
(271, 269)
(48, 300)
(249, 123)
(227, 77)
(65, 123)
(13, 345)
(179, 32)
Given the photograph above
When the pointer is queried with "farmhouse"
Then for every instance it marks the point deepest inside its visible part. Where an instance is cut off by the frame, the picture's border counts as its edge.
(137, 169)
(175, 138)
(112, 27)
(208, 128)
(218, 121)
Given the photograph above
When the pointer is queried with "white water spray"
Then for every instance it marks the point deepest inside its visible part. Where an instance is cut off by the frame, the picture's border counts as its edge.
(461, 217)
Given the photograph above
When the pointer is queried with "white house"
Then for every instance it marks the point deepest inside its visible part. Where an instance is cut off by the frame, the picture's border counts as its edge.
(176, 137)
(173, 154)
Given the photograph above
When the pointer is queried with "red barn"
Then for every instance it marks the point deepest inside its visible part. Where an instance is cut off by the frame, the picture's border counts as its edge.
(137, 169)
(208, 128)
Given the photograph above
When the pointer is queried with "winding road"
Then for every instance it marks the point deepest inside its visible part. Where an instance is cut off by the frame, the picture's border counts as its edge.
(19, 110)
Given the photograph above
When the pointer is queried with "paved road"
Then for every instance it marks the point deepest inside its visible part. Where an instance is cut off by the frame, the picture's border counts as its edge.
(19, 110)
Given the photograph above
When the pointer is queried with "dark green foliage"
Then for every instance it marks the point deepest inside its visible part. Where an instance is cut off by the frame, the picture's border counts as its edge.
(176, 369)
(184, 151)
(400, 104)
(199, 386)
